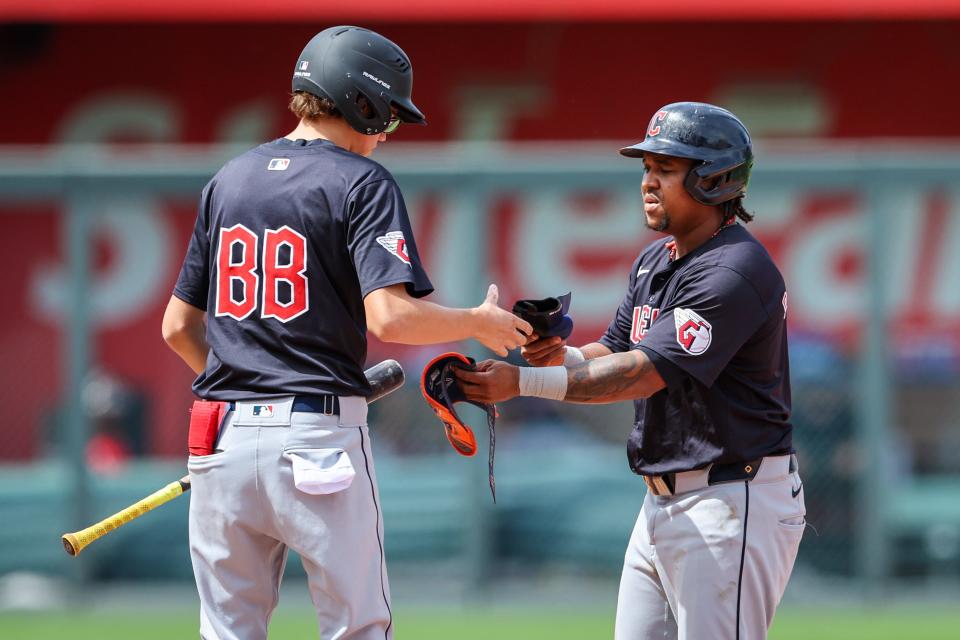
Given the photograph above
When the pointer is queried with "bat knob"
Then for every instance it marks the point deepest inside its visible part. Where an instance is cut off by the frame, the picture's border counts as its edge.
(384, 377)
(70, 544)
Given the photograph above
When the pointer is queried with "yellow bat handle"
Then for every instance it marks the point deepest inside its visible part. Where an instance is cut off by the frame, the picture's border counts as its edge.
(75, 542)
(384, 377)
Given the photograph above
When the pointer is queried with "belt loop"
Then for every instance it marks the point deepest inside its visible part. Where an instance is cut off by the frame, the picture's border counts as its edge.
(327, 405)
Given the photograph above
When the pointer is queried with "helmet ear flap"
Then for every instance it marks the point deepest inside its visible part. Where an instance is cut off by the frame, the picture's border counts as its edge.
(716, 182)
(370, 115)
(696, 184)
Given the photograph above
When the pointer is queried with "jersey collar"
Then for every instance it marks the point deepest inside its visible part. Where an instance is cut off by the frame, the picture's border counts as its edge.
(671, 245)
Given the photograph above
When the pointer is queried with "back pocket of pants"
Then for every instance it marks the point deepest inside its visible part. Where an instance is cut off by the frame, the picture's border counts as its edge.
(796, 522)
(320, 471)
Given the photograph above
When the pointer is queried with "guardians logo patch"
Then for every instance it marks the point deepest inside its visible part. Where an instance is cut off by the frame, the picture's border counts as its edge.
(694, 334)
(394, 243)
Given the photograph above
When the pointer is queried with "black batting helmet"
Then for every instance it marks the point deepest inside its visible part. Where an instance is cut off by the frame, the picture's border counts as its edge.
(345, 63)
(700, 131)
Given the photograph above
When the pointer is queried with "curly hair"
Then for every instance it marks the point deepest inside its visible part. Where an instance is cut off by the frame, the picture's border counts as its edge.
(307, 106)
(734, 209)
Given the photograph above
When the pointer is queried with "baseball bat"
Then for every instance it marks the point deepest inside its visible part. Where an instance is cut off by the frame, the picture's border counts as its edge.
(384, 378)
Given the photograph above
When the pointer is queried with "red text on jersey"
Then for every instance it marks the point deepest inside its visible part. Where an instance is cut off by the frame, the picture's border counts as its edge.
(291, 274)
(237, 264)
(643, 317)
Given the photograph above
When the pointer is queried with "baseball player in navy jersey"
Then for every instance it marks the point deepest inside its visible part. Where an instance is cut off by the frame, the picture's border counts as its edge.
(301, 245)
(699, 343)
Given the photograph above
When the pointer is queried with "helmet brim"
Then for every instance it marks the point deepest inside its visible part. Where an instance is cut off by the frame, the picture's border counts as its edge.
(408, 112)
(633, 151)
(666, 148)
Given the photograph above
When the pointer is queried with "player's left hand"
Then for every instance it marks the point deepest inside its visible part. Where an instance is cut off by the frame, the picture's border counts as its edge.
(492, 382)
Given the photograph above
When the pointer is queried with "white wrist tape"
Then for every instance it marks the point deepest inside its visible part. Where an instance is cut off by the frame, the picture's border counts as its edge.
(572, 356)
(544, 382)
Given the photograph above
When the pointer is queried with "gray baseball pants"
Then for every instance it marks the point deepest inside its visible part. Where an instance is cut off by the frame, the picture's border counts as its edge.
(246, 512)
(712, 561)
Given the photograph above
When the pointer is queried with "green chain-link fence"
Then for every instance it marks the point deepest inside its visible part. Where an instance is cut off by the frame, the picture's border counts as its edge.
(875, 380)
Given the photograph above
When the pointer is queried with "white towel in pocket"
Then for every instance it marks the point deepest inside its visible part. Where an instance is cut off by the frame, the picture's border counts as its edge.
(321, 471)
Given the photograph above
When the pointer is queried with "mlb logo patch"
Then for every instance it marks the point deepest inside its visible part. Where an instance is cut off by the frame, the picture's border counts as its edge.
(263, 410)
(278, 164)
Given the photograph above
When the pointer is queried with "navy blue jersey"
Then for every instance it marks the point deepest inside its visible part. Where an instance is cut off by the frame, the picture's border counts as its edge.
(714, 325)
(290, 237)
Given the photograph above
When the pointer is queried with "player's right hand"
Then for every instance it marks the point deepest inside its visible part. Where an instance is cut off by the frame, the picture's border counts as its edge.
(492, 381)
(544, 352)
(498, 329)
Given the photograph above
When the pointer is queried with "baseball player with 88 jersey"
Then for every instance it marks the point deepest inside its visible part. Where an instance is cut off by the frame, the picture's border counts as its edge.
(300, 246)
(699, 343)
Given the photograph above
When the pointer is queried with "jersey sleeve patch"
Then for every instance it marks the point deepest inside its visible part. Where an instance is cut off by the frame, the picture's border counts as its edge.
(394, 242)
(694, 334)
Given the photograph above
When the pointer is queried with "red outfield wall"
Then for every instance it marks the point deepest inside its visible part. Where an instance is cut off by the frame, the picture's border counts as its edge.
(525, 82)
(562, 81)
